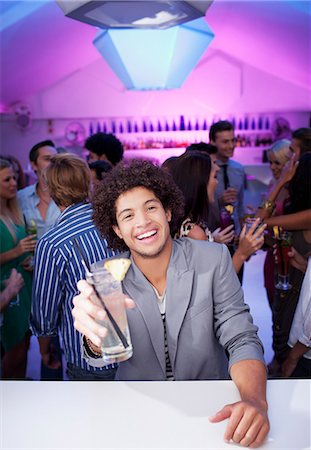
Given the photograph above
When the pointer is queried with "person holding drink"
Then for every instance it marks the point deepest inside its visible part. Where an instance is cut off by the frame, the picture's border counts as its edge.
(231, 177)
(15, 247)
(195, 173)
(185, 303)
(58, 266)
(297, 220)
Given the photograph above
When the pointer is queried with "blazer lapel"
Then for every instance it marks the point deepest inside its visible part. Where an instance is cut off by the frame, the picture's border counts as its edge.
(140, 290)
(179, 288)
(178, 295)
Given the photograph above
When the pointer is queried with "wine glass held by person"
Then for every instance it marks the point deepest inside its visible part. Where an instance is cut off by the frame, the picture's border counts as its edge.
(15, 246)
(279, 157)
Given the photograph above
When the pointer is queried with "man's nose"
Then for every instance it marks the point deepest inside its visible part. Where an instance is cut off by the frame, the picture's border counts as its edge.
(142, 218)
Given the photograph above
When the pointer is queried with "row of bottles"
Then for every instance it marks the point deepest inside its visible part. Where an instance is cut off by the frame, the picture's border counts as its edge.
(254, 140)
(121, 126)
(248, 140)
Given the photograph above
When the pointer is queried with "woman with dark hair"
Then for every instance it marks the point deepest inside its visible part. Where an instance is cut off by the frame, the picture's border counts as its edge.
(196, 176)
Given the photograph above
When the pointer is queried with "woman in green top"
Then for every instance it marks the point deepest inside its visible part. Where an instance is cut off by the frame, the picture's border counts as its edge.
(14, 248)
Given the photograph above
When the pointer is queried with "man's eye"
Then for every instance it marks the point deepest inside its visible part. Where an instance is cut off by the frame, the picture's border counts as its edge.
(128, 216)
(151, 208)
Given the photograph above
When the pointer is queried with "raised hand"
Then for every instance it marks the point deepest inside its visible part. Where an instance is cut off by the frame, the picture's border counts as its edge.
(87, 314)
(28, 244)
(223, 236)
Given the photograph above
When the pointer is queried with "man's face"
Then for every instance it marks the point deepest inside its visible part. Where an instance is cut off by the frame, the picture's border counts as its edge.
(142, 223)
(225, 143)
(92, 157)
(295, 148)
(44, 155)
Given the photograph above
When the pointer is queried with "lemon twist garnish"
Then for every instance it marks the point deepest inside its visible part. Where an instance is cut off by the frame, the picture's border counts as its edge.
(118, 267)
(229, 208)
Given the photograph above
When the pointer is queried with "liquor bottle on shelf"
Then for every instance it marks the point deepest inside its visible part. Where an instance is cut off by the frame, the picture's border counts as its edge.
(240, 125)
(260, 123)
(91, 130)
(267, 124)
(144, 126)
(197, 126)
(159, 126)
(121, 129)
(174, 127)
(167, 127)
(98, 128)
(113, 127)
(204, 127)
(129, 126)
(135, 127)
(182, 123)
(253, 124)
(189, 127)
(104, 127)
(246, 123)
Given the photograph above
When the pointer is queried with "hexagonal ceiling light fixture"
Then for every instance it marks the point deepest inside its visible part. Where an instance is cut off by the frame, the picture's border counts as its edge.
(154, 59)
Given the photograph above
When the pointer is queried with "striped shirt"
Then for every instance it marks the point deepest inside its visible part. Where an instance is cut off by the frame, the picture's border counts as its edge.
(161, 299)
(57, 270)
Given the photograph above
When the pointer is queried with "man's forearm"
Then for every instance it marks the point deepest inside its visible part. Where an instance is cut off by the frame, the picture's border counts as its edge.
(250, 377)
(44, 344)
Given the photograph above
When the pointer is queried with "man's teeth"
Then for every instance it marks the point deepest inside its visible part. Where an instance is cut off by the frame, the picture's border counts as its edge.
(146, 235)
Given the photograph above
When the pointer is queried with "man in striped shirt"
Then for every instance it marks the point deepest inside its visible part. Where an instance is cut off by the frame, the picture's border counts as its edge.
(58, 266)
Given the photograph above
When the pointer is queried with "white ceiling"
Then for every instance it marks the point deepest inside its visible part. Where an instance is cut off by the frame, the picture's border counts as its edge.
(41, 47)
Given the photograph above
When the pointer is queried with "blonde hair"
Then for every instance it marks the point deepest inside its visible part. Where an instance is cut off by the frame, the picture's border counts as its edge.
(14, 216)
(68, 178)
(281, 151)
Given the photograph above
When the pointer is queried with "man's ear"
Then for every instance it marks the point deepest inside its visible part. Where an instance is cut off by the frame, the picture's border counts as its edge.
(116, 229)
(33, 166)
(168, 214)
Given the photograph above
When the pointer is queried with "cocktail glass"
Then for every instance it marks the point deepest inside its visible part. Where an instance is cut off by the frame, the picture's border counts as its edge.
(283, 247)
(114, 348)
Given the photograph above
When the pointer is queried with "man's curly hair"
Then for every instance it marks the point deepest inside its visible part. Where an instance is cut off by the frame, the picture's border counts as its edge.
(123, 178)
(105, 144)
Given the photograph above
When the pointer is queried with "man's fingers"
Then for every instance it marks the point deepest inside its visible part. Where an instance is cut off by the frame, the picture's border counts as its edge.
(246, 430)
(221, 415)
(88, 332)
(261, 436)
(129, 303)
(235, 418)
(85, 288)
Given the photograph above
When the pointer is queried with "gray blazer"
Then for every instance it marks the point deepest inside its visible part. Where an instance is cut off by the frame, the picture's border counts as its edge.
(205, 317)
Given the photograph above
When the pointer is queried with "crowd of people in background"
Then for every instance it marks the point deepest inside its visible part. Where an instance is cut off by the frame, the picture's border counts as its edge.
(39, 224)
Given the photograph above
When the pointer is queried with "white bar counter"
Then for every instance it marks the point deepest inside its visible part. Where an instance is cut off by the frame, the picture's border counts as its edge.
(141, 415)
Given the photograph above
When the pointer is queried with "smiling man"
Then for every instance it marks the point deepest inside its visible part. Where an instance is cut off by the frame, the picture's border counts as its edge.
(187, 310)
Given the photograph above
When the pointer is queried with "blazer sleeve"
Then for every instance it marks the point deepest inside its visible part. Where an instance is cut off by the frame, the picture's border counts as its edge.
(233, 322)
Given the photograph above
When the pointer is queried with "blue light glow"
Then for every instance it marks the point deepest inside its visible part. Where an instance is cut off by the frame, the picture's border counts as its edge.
(154, 59)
